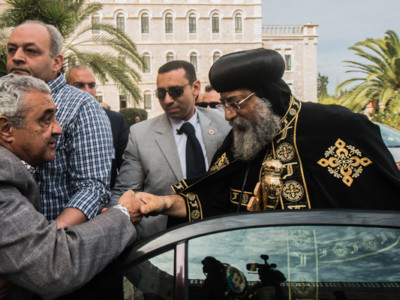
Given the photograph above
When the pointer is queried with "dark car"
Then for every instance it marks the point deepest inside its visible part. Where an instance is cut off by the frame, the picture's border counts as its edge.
(391, 138)
(268, 255)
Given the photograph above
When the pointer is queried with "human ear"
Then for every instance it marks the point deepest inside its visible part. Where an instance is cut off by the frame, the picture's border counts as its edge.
(6, 132)
(58, 61)
(196, 87)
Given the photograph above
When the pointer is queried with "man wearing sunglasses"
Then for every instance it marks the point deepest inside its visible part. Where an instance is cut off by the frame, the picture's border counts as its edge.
(211, 98)
(283, 153)
(155, 157)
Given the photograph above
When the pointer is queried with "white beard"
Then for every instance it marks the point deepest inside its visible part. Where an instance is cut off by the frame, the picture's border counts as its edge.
(250, 137)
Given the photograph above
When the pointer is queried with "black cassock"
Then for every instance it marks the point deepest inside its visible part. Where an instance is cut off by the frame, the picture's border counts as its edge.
(332, 157)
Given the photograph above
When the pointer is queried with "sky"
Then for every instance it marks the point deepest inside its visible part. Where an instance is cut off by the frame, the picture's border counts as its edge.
(341, 23)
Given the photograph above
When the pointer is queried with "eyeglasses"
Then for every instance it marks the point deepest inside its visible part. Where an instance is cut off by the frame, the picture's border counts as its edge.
(235, 105)
(81, 85)
(173, 91)
(208, 104)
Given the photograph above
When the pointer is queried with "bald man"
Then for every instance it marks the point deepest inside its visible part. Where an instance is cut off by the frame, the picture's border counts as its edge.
(83, 78)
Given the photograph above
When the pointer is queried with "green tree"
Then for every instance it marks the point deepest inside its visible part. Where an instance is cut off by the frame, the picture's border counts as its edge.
(67, 16)
(131, 113)
(381, 81)
(322, 86)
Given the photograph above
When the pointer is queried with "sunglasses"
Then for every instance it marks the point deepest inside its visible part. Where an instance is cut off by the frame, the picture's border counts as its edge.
(173, 91)
(81, 85)
(208, 104)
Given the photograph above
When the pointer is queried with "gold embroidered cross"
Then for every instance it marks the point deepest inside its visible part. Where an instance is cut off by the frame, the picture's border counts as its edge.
(344, 161)
(285, 151)
(292, 190)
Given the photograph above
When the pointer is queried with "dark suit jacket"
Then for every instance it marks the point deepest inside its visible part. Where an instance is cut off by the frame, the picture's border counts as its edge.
(34, 255)
(120, 140)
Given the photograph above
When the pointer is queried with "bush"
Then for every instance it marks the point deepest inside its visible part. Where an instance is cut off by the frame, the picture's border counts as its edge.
(390, 118)
(130, 114)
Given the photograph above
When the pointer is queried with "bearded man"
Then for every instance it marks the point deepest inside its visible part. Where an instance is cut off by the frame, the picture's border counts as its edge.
(323, 156)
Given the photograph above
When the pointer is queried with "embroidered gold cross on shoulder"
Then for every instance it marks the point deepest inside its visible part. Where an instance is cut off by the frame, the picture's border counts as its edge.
(344, 162)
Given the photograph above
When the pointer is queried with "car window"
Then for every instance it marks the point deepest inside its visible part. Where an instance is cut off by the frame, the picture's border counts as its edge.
(390, 136)
(151, 279)
(313, 262)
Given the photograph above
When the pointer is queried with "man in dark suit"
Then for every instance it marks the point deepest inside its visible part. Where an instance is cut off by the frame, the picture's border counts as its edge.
(36, 255)
(83, 78)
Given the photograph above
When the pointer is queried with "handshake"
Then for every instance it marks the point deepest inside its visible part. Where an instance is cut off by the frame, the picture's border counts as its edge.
(145, 204)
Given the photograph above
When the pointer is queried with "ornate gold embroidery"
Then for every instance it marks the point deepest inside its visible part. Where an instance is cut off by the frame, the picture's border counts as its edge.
(194, 206)
(235, 195)
(285, 152)
(223, 161)
(344, 161)
(292, 191)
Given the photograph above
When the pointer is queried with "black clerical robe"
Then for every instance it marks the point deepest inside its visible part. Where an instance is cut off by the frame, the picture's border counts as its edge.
(332, 157)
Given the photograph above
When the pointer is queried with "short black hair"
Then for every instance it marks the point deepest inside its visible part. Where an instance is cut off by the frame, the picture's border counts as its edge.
(190, 72)
(209, 88)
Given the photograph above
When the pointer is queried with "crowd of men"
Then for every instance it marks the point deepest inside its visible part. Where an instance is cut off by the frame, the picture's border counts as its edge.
(61, 153)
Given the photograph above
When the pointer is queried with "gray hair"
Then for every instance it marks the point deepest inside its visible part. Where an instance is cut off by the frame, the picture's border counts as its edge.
(12, 94)
(56, 39)
(79, 67)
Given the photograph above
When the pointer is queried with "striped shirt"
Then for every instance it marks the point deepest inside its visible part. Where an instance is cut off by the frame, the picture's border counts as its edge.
(80, 174)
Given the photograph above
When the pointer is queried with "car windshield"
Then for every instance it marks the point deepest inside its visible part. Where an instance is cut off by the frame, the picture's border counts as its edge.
(301, 261)
(390, 136)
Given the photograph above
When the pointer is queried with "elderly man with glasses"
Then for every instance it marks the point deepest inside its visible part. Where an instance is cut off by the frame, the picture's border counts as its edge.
(176, 145)
(283, 153)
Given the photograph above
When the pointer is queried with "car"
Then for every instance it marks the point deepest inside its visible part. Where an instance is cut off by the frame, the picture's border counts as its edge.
(391, 138)
(311, 254)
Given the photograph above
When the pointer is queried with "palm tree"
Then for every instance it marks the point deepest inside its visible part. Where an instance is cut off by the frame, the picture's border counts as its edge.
(381, 82)
(67, 16)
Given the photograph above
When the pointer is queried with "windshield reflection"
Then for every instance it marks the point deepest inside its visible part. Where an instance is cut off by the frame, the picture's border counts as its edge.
(305, 262)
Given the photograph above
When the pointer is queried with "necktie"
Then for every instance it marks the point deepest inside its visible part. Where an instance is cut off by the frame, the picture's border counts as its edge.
(195, 164)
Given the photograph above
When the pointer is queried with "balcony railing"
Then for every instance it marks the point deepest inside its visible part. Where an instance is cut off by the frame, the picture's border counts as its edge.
(282, 30)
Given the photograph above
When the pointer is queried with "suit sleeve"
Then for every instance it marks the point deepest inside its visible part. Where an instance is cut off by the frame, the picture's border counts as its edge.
(50, 262)
(131, 174)
(122, 142)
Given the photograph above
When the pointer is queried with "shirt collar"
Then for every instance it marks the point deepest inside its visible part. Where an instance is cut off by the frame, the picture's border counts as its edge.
(176, 124)
(31, 169)
(57, 83)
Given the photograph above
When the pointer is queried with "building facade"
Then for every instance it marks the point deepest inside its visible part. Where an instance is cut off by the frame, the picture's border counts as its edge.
(200, 31)
(298, 46)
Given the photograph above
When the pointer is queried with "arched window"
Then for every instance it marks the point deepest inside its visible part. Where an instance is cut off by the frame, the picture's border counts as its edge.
(123, 103)
(215, 23)
(192, 23)
(170, 56)
(169, 27)
(238, 23)
(145, 24)
(193, 60)
(120, 22)
(216, 56)
(95, 21)
(146, 63)
(288, 62)
(147, 100)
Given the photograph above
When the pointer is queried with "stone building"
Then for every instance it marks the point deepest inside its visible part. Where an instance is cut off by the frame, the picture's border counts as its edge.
(200, 31)
(298, 46)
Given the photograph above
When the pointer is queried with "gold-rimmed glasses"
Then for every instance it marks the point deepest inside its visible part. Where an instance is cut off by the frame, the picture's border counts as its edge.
(235, 105)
